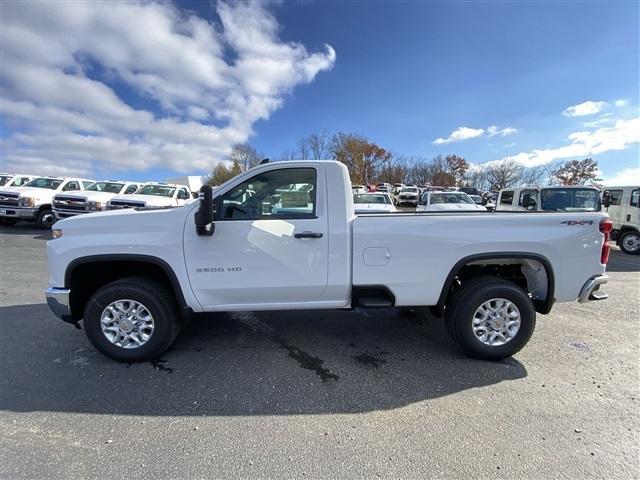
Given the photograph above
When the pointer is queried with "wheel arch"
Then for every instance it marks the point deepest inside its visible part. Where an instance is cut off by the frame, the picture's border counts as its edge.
(79, 278)
(535, 281)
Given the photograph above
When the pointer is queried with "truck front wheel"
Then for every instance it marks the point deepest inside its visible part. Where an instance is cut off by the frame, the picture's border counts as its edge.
(45, 219)
(132, 320)
(490, 318)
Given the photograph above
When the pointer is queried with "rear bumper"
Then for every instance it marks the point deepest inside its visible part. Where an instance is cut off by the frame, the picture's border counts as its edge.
(591, 289)
(58, 301)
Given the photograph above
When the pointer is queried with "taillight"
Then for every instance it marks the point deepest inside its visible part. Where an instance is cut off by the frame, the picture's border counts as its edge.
(606, 226)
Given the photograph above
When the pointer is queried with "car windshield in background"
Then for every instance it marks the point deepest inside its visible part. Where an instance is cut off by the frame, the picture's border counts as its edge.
(109, 187)
(158, 190)
(409, 190)
(363, 198)
(4, 179)
(450, 198)
(50, 183)
(476, 198)
(570, 200)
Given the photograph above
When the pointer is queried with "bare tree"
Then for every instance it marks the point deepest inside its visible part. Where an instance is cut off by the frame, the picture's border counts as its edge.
(246, 156)
(319, 145)
(504, 174)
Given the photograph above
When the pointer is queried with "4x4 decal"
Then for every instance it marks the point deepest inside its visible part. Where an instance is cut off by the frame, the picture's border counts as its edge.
(578, 222)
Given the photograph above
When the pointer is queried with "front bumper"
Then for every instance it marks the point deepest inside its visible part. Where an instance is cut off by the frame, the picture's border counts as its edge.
(18, 212)
(58, 301)
(591, 289)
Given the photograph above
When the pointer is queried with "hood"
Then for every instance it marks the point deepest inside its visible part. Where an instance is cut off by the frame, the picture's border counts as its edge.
(16, 189)
(150, 200)
(91, 195)
(33, 192)
(123, 220)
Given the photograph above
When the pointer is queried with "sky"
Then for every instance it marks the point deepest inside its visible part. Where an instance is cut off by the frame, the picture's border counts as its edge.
(155, 90)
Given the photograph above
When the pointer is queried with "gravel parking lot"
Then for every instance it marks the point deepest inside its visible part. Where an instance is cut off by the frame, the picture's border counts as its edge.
(360, 394)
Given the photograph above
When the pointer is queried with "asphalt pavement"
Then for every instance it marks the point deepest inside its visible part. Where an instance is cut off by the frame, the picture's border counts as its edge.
(319, 394)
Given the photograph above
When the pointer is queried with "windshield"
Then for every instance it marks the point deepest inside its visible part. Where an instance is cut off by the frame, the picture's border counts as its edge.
(362, 198)
(4, 179)
(409, 190)
(158, 190)
(109, 187)
(476, 198)
(450, 197)
(570, 200)
(50, 183)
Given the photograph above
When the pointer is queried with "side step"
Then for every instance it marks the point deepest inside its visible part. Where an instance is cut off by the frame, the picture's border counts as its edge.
(372, 296)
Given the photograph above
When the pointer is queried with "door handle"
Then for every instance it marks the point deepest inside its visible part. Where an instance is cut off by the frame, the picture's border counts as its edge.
(308, 235)
(628, 218)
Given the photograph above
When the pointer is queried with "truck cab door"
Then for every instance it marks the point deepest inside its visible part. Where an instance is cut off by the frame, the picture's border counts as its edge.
(270, 244)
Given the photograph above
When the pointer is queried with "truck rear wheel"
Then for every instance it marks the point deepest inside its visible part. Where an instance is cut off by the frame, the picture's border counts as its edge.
(45, 219)
(490, 318)
(132, 320)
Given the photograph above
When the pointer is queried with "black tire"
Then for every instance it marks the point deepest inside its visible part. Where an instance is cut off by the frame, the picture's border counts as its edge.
(45, 219)
(462, 307)
(627, 240)
(155, 297)
(8, 222)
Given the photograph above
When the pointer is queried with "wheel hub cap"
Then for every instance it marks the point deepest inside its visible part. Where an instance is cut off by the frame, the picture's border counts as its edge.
(127, 323)
(496, 322)
(632, 242)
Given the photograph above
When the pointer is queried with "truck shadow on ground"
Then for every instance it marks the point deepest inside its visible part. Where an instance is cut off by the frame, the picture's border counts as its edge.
(622, 262)
(26, 229)
(272, 363)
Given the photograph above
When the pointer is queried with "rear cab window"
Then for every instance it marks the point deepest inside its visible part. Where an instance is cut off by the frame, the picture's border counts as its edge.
(506, 197)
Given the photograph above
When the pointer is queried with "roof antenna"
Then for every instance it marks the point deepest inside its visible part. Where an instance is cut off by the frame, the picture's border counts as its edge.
(264, 160)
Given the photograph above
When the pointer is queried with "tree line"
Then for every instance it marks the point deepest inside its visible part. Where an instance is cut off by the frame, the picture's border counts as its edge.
(369, 163)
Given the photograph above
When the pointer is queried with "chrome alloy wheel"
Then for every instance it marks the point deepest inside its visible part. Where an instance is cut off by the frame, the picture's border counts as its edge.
(127, 323)
(631, 242)
(496, 322)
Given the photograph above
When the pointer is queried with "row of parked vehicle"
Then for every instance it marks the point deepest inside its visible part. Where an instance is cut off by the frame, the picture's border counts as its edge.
(621, 203)
(44, 200)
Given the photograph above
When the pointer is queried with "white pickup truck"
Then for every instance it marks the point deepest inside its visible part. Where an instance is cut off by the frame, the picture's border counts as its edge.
(33, 200)
(152, 195)
(134, 275)
(92, 199)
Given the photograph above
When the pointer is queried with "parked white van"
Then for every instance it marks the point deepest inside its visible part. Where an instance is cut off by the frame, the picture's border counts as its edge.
(549, 199)
(624, 210)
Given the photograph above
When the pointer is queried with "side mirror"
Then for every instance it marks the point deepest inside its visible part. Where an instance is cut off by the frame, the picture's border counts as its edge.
(204, 216)
(606, 198)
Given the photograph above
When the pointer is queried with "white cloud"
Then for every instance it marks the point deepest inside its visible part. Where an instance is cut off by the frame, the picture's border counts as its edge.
(493, 130)
(585, 108)
(200, 86)
(623, 134)
(628, 176)
(459, 134)
(621, 103)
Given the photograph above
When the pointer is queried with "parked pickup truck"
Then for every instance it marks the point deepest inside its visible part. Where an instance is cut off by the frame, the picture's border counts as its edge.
(32, 201)
(92, 199)
(152, 195)
(134, 275)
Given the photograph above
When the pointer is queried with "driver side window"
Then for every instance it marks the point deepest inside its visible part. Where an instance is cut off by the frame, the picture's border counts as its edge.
(288, 193)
